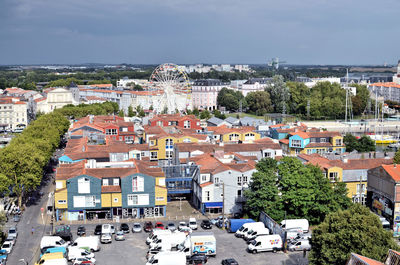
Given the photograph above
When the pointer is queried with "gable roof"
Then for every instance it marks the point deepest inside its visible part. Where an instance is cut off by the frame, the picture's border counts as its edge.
(393, 171)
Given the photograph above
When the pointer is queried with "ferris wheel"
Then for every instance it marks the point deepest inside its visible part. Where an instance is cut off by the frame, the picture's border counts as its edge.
(175, 87)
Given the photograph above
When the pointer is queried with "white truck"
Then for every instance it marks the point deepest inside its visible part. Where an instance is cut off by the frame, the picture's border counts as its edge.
(168, 258)
(265, 243)
(52, 241)
(257, 232)
(77, 252)
(155, 234)
(294, 223)
(174, 239)
(160, 248)
(246, 227)
(91, 242)
(199, 243)
(255, 227)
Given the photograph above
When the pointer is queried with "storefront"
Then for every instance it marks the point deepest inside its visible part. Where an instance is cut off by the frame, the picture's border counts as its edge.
(212, 207)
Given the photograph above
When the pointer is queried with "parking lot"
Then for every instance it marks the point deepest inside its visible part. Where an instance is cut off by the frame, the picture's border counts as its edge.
(133, 250)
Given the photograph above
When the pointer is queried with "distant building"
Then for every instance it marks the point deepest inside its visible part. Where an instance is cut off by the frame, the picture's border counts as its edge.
(13, 113)
(255, 84)
(388, 90)
(205, 92)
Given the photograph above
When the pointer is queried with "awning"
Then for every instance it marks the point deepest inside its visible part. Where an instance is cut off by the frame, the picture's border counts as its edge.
(213, 204)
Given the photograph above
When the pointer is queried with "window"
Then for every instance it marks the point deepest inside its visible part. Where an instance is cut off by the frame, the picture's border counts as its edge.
(239, 193)
(239, 180)
(267, 154)
(59, 185)
(90, 201)
(79, 201)
(362, 188)
(338, 141)
(168, 154)
(297, 151)
(62, 201)
(204, 178)
(244, 179)
(137, 184)
(159, 198)
(186, 124)
(153, 155)
(234, 137)
(132, 199)
(323, 140)
(116, 182)
(296, 143)
(309, 151)
(207, 196)
(115, 199)
(142, 154)
(216, 179)
(83, 185)
(105, 182)
(111, 131)
(333, 176)
(187, 140)
(169, 143)
(161, 182)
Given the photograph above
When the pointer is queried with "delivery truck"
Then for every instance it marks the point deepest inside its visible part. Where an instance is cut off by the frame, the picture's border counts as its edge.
(265, 243)
(235, 224)
(199, 243)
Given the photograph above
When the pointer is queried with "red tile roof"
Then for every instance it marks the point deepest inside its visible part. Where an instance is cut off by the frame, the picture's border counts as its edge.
(386, 84)
(303, 135)
(367, 261)
(205, 184)
(393, 171)
(110, 189)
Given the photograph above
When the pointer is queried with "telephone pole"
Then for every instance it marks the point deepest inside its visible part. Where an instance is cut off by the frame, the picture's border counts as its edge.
(223, 205)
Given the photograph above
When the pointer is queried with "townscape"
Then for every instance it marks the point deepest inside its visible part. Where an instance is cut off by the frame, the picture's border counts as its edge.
(171, 133)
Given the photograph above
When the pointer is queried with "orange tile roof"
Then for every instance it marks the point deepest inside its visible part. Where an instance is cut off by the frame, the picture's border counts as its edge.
(206, 184)
(367, 261)
(386, 84)
(303, 135)
(277, 125)
(110, 189)
(223, 129)
(393, 171)
(284, 141)
(101, 85)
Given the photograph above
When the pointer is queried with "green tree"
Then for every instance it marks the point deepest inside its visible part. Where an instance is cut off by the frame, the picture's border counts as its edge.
(366, 144)
(262, 194)
(354, 230)
(219, 115)
(299, 96)
(351, 142)
(142, 113)
(131, 113)
(196, 112)
(230, 99)
(279, 94)
(121, 113)
(259, 102)
(205, 114)
(396, 158)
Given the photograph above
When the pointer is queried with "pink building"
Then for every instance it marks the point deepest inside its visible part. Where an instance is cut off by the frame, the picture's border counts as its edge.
(205, 92)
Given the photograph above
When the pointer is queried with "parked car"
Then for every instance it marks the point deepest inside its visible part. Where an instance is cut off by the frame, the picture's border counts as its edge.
(120, 236)
(3, 259)
(193, 223)
(81, 230)
(229, 262)
(171, 226)
(106, 238)
(97, 230)
(159, 225)
(136, 228)
(206, 224)
(186, 230)
(80, 261)
(148, 226)
(182, 225)
(124, 228)
(12, 232)
(11, 239)
(7, 246)
(198, 259)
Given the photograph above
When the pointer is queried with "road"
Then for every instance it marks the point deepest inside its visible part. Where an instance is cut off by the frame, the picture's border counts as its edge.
(27, 244)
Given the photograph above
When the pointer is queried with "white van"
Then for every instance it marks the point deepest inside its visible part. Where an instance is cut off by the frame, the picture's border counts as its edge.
(107, 229)
(77, 252)
(192, 223)
(174, 239)
(155, 233)
(91, 242)
(265, 243)
(246, 227)
(292, 223)
(52, 241)
(254, 227)
(158, 249)
(292, 233)
(257, 232)
(168, 258)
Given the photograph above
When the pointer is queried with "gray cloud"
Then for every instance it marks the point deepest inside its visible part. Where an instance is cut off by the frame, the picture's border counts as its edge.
(189, 31)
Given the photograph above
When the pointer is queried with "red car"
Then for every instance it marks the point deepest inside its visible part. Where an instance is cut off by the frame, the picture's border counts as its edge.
(159, 225)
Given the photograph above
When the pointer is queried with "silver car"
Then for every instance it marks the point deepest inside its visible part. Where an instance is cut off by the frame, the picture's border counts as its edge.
(12, 232)
(171, 227)
(136, 228)
(300, 245)
(119, 236)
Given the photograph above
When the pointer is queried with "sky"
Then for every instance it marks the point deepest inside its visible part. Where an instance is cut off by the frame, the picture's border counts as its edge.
(199, 31)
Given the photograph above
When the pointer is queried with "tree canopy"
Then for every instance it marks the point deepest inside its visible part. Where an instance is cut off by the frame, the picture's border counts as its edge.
(354, 230)
(259, 103)
(364, 144)
(230, 99)
(279, 94)
(294, 190)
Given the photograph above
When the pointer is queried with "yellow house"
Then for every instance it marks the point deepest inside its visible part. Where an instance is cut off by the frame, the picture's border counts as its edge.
(61, 195)
(111, 196)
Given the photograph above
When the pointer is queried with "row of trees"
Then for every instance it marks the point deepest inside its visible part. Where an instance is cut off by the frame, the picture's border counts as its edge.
(362, 145)
(324, 100)
(23, 160)
(83, 110)
(293, 190)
